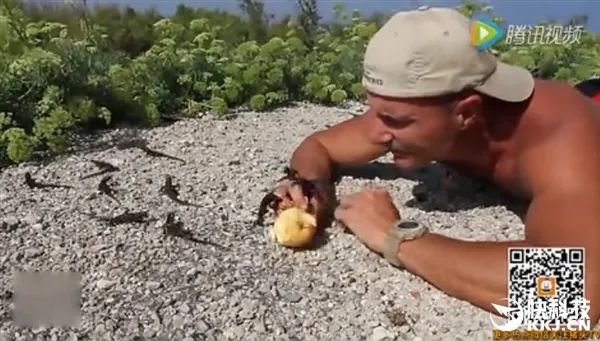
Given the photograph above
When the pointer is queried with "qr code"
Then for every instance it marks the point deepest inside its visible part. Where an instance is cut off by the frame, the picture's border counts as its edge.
(547, 283)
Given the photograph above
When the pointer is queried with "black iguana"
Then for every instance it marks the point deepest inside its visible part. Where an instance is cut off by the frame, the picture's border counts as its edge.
(32, 183)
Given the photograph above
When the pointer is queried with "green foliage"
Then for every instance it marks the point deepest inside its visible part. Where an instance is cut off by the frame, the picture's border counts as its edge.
(67, 69)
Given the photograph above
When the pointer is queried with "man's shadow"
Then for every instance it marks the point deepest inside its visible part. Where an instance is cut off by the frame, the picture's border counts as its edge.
(429, 195)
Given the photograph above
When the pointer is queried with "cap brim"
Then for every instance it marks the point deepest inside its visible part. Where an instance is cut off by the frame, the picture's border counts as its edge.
(509, 83)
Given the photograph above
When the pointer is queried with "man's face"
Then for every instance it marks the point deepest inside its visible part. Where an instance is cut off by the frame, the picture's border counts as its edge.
(417, 131)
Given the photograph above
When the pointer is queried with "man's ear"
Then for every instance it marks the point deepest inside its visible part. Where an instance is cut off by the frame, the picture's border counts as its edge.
(467, 111)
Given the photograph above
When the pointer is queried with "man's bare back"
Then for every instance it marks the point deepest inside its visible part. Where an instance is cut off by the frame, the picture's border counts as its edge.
(556, 112)
(449, 103)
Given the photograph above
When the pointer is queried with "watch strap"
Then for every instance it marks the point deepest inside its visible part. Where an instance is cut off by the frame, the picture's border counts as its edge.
(398, 234)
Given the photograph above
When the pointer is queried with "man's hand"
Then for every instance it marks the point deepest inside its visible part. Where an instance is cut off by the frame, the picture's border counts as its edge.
(368, 214)
(292, 195)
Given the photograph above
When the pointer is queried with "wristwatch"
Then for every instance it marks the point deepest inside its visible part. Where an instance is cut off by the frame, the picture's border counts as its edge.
(402, 230)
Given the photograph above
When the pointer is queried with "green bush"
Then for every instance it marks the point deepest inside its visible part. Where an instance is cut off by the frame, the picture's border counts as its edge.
(62, 76)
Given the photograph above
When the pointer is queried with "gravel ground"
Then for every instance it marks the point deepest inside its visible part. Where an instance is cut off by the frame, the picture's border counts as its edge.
(139, 283)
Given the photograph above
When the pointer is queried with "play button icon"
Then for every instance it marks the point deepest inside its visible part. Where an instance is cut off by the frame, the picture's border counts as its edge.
(485, 33)
(482, 33)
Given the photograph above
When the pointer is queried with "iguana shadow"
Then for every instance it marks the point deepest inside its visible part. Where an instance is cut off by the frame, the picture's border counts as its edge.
(428, 195)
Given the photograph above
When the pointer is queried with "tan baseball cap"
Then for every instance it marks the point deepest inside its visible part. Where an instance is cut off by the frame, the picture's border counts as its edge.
(428, 52)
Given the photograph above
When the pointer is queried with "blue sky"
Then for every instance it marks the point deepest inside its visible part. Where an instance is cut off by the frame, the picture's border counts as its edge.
(517, 12)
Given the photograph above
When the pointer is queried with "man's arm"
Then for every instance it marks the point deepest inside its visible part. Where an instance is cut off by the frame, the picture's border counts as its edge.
(565, 211)
(321, 154)
(346, 143)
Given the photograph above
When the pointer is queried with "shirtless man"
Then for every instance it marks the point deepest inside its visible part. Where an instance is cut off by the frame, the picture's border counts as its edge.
(434, 97)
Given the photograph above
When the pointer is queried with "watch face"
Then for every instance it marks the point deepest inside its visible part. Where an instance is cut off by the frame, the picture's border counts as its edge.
(409, 225)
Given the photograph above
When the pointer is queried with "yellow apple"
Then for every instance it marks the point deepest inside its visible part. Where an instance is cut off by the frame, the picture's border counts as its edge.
(294, 227)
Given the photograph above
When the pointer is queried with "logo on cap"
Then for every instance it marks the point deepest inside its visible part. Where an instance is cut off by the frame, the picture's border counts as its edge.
(485, 33)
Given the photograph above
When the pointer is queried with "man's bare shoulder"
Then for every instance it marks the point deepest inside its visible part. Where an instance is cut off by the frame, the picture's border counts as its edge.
(559, 138)
(557, 109)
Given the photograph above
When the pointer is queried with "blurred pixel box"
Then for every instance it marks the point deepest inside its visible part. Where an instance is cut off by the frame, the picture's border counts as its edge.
(46, 299)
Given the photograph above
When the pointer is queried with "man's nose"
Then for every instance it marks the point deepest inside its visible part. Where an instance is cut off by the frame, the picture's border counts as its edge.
(386, 137)
(381, 134)
(378, 131)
